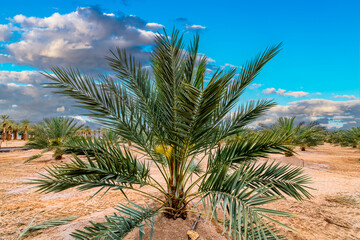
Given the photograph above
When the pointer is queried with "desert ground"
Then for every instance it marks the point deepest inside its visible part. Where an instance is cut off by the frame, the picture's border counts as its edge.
(333, 213)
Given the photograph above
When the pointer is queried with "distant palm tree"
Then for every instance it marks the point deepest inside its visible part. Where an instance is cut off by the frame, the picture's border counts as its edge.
(16, 127)
(335, 136)
(302, 135)
(10, 125)
(308, 135)
(282, 126)
(175, 117)
(87, 131)
(4, 119)
(352, 137)
(25, 127)
(52, 135)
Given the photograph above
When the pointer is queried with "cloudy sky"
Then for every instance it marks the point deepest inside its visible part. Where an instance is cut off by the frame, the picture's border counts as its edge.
(315, 78)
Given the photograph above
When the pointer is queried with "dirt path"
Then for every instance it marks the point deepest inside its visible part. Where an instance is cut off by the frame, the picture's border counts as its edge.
(332, 214)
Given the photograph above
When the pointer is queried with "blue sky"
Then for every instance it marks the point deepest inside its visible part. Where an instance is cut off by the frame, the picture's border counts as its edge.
(316, 77)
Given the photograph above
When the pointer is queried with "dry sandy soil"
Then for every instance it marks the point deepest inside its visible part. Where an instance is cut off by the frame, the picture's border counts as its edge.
(333, 213)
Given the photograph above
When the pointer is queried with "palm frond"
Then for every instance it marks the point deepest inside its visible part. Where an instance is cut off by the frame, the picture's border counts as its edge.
(250, 146)
(117, 169)
(249, 72)
(138, 83)
(243, 116)
(282, 180)
(118, 226)
(241, 214)
(116, 111)
(33, 158)
(44, 225)
(91, 145)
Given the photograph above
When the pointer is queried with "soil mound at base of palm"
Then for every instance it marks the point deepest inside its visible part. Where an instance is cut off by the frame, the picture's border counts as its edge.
(169, 229)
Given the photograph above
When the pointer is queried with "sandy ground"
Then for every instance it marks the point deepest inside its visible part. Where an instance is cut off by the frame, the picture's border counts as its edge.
(14, 143)
(334, 213)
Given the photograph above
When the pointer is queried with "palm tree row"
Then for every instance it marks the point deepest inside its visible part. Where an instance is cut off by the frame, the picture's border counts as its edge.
(86, 131)
(301, 135)
(11, 129)
(345, 138)
(175, 118)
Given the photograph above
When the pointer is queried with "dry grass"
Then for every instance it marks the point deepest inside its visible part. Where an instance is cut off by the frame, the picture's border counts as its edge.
(343, 200)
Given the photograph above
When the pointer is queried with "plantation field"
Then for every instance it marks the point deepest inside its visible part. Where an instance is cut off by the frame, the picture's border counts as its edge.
(334, 213)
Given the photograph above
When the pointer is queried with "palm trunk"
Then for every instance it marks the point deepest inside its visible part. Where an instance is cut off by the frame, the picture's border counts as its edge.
(3, 135)
(25, 134)
(175, 198)
(175, 204)
(8, 135)
(15, 134)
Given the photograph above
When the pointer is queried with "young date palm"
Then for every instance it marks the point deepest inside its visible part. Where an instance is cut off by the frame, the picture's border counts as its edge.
(308, 135)
(52, 135)
(302, 135)
(175, 119)
(284, 125)
(351, 137)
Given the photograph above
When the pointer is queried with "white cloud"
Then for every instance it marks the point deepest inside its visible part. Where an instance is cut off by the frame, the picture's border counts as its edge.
(283, 92)
(80, 118)
(25, 91)
(296, 94)
(12, 85)
(255, 85)
(345, 96)
(209, 71)
(229, 65)
(60, 109)
(154, 26)
(331, 126)
(343, 117)
(328, 112)
(109, 14)
(195, 27)
(79, 39)
(210, 60)
(5, 33)
(270, 90)
(24, 77)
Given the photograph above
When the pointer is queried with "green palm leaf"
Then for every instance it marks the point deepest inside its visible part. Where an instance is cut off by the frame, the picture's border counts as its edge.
(118, 226)
(242, 216)
(117, 169)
